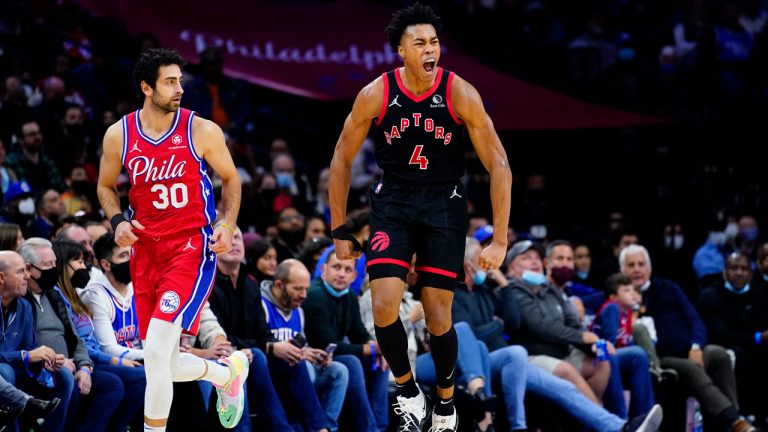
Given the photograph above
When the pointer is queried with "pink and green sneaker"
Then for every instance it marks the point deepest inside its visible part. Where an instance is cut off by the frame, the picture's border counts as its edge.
(231, 401)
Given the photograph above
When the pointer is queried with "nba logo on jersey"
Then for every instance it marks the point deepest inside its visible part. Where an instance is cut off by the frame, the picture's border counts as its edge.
(176, 139)
(169, 302)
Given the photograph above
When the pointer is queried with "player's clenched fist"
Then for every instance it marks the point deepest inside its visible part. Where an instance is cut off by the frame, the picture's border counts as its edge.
(124, 235)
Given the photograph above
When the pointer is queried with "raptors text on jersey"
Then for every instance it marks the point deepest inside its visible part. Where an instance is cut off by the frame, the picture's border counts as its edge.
(170, 187)
(419, 138)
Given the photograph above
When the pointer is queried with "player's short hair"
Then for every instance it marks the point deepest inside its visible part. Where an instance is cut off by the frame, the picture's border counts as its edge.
(148, 65)
(412, 15)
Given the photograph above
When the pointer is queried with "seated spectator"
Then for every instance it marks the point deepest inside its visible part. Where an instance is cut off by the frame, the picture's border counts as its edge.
(290, 233)
(69, 262)
(736, 316)
(7, 176)
(236, 306)
(77, 196)
(18, 333)
(49, 210)
(10, 237)
(282, 305)
(109, 296)
(93, 395)
(561, 270)
(550, 328)
(332, 314)
(30, 163)
(78, 234)
(261, 260)
(704, 370)
(621, 321)
(358, 224)
(582, 262)
(18, 206)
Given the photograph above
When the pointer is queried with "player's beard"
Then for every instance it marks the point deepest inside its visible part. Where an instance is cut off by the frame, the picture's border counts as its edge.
(165, 105)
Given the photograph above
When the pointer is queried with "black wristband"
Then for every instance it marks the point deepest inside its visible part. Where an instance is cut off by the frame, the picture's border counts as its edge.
(342, 233)
(117, 220)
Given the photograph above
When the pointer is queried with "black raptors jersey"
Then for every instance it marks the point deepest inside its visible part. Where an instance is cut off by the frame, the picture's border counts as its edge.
(419, 138)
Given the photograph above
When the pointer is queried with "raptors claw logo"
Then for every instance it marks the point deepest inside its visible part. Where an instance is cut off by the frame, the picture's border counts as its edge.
(380, 241)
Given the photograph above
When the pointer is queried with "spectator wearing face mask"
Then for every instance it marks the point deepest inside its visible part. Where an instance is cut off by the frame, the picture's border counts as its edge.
(19, 205)
(109, 295)
(735, 313)
(126, 378)
(290, 234)
(79, 192)
(293, 187)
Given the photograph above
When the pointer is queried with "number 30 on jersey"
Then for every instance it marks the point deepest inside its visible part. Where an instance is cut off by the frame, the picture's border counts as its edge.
(176, 195)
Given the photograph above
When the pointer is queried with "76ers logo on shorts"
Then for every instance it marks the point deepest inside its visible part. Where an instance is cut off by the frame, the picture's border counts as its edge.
(380, 241)
(169, 302)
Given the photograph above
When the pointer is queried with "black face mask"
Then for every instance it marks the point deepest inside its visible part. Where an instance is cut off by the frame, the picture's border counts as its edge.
(122, 271)
(80, 278)
(48, 278)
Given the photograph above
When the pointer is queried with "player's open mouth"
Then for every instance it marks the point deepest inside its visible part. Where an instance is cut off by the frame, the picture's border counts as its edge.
(429, 65)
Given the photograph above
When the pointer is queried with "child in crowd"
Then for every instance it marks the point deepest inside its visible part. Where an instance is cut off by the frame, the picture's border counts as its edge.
(620, 321)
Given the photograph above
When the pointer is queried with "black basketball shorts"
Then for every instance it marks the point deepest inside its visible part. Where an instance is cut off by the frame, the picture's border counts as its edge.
(428, 220)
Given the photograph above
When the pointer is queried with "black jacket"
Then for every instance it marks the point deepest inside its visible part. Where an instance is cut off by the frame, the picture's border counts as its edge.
(329, 319)
(478, 308)
(239, 310)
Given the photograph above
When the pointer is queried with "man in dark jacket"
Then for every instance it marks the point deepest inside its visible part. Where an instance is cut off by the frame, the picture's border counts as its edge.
(236, 302)
(704, 370)
(53, 327)
(736, 315)
(332, 315)
(18, 353)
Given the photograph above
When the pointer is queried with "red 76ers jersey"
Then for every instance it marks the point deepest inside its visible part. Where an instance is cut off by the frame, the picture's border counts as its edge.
(170, 188)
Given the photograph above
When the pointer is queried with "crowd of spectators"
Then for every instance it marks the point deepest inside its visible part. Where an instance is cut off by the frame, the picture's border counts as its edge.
(71, 353)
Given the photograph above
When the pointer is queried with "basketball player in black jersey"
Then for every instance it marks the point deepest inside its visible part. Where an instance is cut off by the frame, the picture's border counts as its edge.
(419, 112)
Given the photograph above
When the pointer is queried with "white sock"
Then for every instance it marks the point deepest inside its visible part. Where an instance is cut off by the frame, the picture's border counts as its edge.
(148, 428)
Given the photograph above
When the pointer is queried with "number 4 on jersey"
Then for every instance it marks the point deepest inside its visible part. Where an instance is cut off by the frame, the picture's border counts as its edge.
(418, 159)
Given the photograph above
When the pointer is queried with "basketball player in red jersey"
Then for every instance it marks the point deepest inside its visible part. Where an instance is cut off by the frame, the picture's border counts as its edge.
(421, 112)
(165, 150)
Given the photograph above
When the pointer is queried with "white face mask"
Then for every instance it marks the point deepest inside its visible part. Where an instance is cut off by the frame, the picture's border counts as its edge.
(732, 230)
(27, 206)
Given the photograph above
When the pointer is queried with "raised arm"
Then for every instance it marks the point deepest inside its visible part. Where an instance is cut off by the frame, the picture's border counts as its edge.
(210, 144)
(469, 108)
(356, 126)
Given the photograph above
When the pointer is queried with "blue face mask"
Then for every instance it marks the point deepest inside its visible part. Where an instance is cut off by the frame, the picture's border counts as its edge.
(479, 277)
(284, 180)
(334, 292)
(533, 278)
(750, 234)
(765, 277)
(582, 275)
(729, 287)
